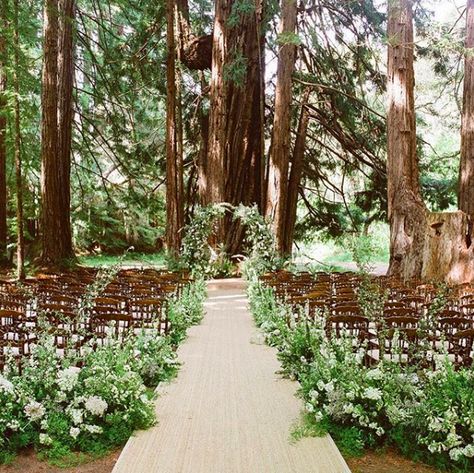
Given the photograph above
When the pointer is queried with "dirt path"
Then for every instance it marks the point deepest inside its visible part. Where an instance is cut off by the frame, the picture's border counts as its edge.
(228, 411)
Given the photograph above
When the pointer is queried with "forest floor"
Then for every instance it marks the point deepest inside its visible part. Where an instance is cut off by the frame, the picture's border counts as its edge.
(373, 462)
(28, 462)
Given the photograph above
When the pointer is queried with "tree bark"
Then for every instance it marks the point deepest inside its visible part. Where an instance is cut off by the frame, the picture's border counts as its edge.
(235, 151)
(449, 249)
(295, 176)
(406, 210)
(65, 119)
(215, 178)
(280, 150)
(18, 163)
(174, 177)
(466, 171)
(51, 192)
(3, 130)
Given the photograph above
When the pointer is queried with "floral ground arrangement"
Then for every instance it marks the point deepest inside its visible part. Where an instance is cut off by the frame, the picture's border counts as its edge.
(81, 354)
(380, 363)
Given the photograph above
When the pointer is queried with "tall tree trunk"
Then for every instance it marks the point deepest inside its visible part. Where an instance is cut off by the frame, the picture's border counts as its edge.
(56, 132)
(406, 210)
(3, 129)
(215, 169)
(235, 154)
(174, 183)
(280, 149)
(19, 182)
(466, 171)
(50, 190)
(295, 176)
(65, 118)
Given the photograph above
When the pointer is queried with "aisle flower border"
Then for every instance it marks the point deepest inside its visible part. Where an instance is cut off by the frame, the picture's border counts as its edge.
(428, 414)
(90, 400)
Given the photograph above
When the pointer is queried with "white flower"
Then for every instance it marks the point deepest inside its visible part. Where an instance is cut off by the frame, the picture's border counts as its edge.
(372, 393)
(329, 387)
(6, 385)
(313, 394)
(318, 416)
(13, 425)
(374, 374)
(74, 432)
(469, 451)
(96, 405)
(436, 424)
(309, 407)
(76, 416)
(45, 439)
(68, 378)
(455, 454)
(93, 429)
(348, 408)
(34, 410)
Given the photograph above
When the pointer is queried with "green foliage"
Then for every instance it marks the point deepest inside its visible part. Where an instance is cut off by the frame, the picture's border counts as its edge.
(259, 238)
(240, 9)
(196, 251)
(288, 37)
(235, 70)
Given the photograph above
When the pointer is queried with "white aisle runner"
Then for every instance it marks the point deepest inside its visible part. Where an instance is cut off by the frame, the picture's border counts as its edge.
(227, 411)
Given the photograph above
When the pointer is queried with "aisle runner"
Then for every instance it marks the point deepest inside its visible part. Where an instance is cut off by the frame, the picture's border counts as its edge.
(227, 412)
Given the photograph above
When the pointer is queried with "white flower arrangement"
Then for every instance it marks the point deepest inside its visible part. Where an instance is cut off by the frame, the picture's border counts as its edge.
(35, 411)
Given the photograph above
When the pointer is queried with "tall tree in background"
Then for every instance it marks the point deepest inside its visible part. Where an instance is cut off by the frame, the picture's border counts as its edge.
(65, 117)
(20, 242)
(174, 166)
(55, 224)
(3, 132)
(234, 168)
(406, 210)
(296, 172)
(466, 172)
(281, 138)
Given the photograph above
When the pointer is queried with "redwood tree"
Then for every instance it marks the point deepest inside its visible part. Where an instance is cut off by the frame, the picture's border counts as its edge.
(233, 171)
(466, 172)
(174, 167)
(294, 181)
(406, 210)
(3, 128)
(277, 189)
(20, 252)
(65, 116)
(55, 132)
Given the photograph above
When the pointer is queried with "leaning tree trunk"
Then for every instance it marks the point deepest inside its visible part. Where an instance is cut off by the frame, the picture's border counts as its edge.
(174, 177)
(3, 130)
(281, 139)
(65, 119)
(466, 171)
(295, 176)
(406, 210)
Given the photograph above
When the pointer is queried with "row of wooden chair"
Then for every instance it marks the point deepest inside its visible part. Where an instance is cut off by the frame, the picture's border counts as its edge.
(134, 300)
(406, 313)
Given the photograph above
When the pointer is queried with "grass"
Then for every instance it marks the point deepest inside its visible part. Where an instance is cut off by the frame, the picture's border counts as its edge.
(337, 253)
